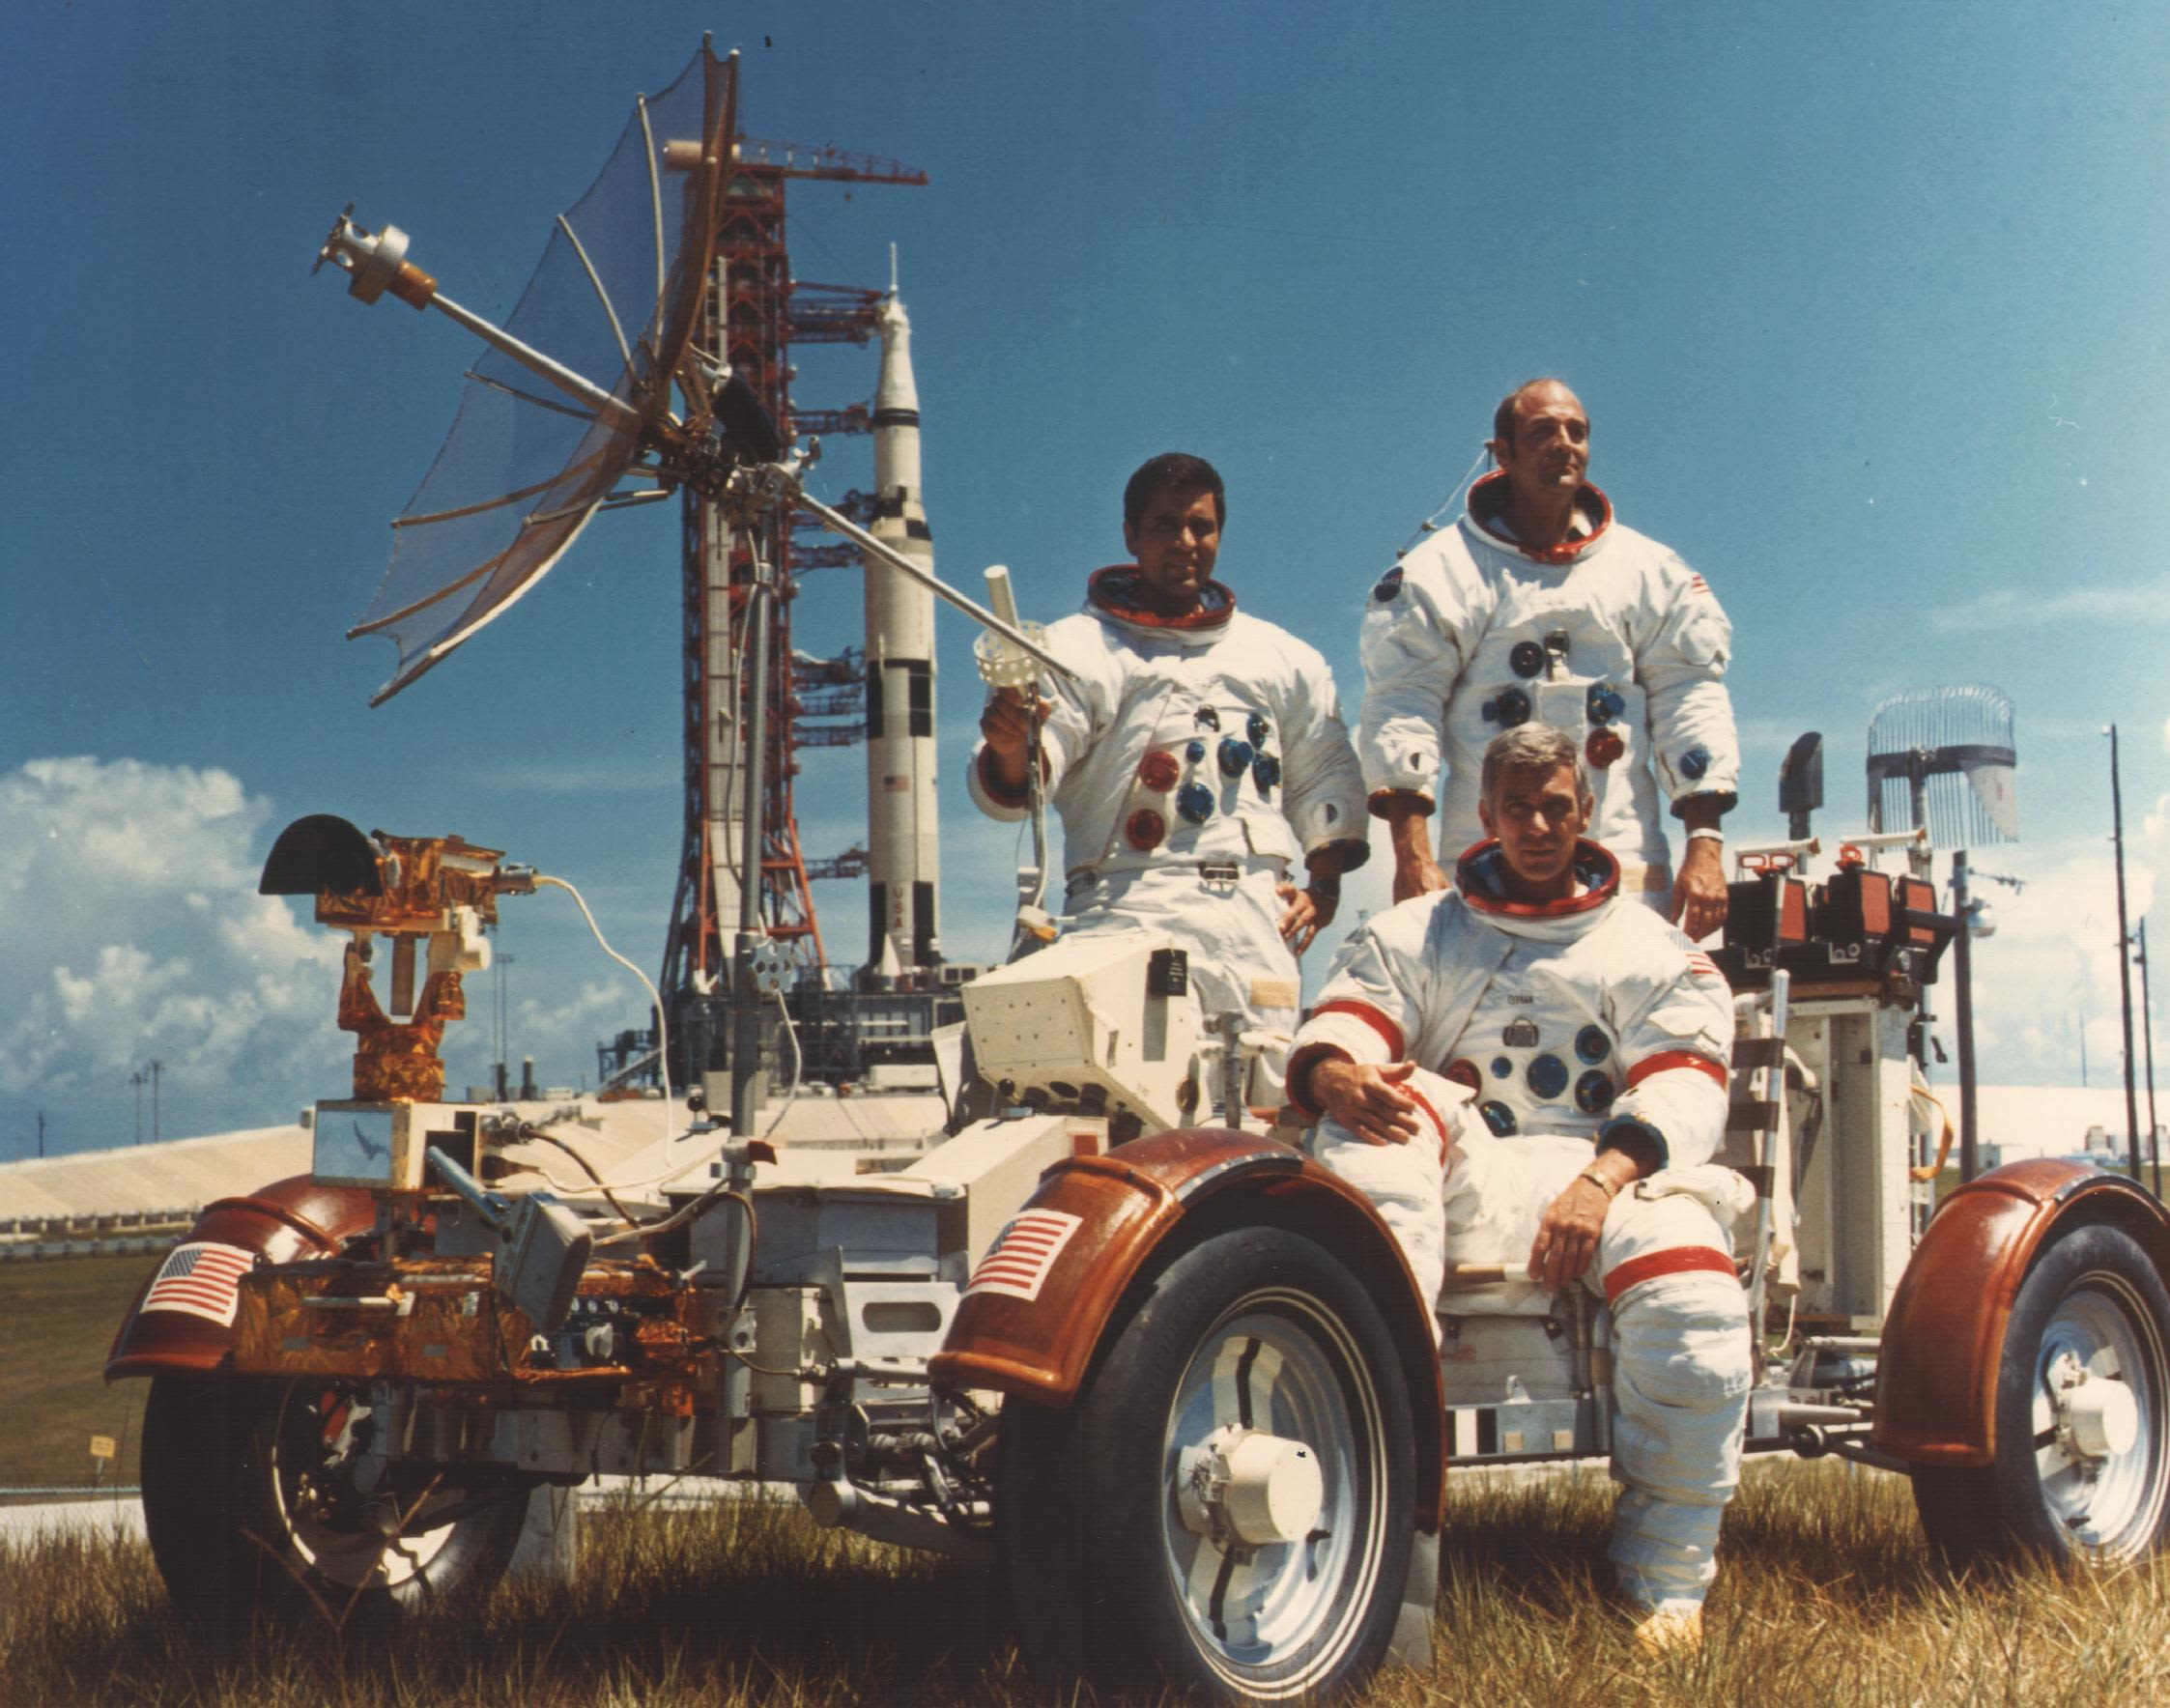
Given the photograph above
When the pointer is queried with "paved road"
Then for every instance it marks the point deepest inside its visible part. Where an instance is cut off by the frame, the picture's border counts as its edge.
(123, 1512)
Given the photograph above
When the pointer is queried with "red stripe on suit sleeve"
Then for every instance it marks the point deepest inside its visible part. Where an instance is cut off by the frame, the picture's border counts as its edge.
(1370, 1016)
(1665, 1060)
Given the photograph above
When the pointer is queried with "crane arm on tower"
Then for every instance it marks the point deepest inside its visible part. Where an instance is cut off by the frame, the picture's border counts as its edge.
(799, 160)
(851, 863)
(827, 423)
(832, 314)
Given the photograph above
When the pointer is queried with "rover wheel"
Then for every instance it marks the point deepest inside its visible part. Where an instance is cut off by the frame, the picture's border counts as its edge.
(251, 1505)
(1230, 1502)
(2082, 1465)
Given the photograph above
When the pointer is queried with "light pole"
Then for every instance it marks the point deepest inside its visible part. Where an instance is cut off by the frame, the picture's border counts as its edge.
(156, 1068)
(2147, 1033)
(136, 1079)
(2123, 960)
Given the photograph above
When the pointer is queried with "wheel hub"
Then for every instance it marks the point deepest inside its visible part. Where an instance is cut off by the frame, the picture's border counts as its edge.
(1242, 1488)
(2097, 1414)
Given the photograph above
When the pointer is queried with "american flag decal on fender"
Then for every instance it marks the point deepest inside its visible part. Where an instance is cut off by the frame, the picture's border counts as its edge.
(199, 1278)
(1023, 1254)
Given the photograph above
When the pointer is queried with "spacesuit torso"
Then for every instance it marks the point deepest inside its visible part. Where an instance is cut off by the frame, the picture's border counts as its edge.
(1194, 762)
(1205, 738)
(1556, 1020)
(1609, 638)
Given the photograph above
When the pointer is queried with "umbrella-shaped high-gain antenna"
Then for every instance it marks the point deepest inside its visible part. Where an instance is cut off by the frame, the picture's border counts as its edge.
(540, 444)
(1942, 759)
(572, 386)
(575, 392)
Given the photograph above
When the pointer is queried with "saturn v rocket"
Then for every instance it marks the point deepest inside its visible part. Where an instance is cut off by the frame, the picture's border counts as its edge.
(903, 861)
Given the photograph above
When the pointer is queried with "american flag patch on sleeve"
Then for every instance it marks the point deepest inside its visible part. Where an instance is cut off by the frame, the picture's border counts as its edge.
(1023, 1254)
(200, 1279)
(1701, 965)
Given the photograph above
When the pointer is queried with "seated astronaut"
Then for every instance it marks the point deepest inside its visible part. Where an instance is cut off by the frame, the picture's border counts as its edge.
(1196, 760)
(1528, 1069)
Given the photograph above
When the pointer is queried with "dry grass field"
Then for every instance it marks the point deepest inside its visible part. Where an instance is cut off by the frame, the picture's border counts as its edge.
(1828, 1597)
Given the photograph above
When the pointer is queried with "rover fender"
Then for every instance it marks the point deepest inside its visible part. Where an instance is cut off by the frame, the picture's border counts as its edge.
(283, 1222)
(1042, 1297)
(1943, 1341)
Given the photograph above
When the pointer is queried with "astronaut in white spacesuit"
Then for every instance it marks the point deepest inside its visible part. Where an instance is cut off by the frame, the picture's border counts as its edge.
(1538, 606)
(1526, 1069)
(1198, 759)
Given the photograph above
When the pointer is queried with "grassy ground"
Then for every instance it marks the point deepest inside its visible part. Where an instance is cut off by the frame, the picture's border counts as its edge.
(1827, 1597)
(60, 1317)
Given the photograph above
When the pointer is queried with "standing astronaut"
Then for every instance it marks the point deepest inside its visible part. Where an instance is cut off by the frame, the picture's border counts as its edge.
(1197, 759)
(1527, 1063)
(1538, 606)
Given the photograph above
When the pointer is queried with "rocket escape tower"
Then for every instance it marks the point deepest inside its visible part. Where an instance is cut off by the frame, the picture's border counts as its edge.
(752, 312)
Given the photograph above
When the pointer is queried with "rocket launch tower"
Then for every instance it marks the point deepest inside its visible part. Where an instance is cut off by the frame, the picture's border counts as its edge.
(753, 313)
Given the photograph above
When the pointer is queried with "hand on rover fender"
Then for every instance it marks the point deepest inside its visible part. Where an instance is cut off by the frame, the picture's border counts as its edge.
(1366, 1099)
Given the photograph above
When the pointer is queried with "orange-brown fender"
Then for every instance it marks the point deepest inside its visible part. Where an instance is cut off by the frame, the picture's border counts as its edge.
(1936, 1375)
(1129, 1206)
(285, 1221)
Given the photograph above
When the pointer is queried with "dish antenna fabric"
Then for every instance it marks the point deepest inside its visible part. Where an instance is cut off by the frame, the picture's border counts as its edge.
(573, 384)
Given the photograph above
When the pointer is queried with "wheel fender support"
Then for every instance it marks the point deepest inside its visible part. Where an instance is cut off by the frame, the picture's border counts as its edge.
(1943, 1340)
(1033, 1317)
(285, 1221)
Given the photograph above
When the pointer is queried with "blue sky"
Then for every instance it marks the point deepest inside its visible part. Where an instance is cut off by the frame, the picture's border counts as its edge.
(1866, 305)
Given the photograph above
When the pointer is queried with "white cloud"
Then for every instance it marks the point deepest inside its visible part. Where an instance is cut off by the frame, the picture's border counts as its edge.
(2144, 603)
(131, 928)
(560, 1035)
(2046, 985)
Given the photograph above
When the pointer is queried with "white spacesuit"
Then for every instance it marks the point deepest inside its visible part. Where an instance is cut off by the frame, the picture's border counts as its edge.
(1609, 637)
(1194, 762)
(1541, 1033)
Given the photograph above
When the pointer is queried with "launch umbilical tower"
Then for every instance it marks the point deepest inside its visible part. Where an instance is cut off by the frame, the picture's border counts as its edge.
(752, 313)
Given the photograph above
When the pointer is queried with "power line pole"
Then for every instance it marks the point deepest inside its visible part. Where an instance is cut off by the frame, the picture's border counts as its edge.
(2147, 1032)
(2124, 962)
